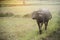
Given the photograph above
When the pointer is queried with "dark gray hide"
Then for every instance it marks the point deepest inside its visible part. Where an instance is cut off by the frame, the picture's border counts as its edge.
(42, 16)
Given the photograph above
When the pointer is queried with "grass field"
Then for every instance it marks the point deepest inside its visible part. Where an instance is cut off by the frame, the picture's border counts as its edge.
(17, 28)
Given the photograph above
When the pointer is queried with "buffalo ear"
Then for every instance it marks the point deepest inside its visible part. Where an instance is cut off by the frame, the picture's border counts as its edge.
(33, 18)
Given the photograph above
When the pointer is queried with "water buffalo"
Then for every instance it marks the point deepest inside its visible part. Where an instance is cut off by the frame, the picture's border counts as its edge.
(42, 16)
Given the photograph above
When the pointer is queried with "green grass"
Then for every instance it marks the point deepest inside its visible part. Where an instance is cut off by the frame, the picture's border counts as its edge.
(12, 28)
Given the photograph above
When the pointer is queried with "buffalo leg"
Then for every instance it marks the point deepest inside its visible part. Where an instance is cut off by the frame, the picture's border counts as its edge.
(40, 31)
(46, 24)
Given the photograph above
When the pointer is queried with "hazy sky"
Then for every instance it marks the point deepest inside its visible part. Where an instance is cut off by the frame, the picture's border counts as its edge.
(42, 0)
(32, 2)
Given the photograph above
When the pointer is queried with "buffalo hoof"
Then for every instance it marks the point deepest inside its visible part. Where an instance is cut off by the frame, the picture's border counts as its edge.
(40, 32)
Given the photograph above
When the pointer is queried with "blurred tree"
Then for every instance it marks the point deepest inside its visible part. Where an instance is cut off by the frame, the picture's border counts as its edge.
(1, 0)
(4, 0)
